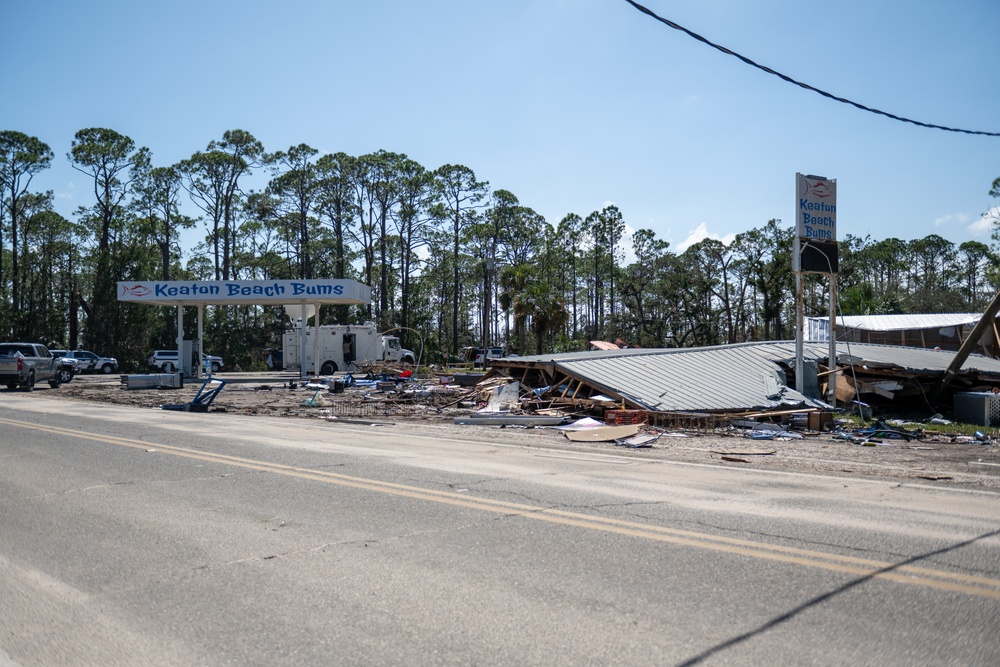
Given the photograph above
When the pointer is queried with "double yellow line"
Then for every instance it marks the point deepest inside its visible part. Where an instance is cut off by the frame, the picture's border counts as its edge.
(908, 574)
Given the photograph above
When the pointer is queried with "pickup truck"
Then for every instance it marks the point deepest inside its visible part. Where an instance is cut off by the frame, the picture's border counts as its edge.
(24, 364)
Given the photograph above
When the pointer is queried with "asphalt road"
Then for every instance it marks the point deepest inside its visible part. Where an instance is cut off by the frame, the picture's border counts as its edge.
(134, 537)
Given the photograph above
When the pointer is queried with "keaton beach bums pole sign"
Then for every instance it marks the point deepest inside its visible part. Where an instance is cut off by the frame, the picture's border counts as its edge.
(815, 252)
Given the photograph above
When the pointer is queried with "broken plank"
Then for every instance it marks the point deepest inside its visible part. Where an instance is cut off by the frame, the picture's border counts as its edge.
(603, 433)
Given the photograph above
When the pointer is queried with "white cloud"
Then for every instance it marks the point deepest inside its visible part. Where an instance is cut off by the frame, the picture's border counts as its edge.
(951, 219)
(69, 192)
(700, 233)
(984, 225)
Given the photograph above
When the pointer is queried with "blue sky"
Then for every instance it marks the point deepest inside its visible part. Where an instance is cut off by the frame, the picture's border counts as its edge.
(569, 104)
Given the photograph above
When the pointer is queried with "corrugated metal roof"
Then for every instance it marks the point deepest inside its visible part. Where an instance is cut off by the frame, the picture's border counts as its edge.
(733, 378)
(904, 322)
(745, 376)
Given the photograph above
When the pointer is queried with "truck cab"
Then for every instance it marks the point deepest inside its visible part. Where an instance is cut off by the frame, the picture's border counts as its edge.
(393, 350)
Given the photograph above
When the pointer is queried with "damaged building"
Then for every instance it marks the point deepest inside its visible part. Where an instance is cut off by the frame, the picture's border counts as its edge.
(946, 331)
(745, 378)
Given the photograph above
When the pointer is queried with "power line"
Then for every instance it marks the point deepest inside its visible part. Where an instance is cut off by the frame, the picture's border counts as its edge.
(789, 79)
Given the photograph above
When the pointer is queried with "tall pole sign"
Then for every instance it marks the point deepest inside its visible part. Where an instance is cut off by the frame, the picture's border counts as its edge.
(815, 252)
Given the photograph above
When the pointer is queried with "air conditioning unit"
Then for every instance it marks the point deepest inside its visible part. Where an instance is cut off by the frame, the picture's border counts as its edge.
(977, 407)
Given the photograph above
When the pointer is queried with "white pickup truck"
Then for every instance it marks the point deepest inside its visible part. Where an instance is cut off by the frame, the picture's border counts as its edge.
(24, 364)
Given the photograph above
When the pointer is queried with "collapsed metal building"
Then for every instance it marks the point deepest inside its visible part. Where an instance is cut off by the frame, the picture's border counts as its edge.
(744, 378)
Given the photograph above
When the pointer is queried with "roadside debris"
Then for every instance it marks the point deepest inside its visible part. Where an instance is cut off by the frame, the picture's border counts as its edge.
(602, 433)
(202, 400)
(638, 441)
(153, 381)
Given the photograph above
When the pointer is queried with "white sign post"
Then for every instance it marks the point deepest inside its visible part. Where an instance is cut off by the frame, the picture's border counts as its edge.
(815, 252)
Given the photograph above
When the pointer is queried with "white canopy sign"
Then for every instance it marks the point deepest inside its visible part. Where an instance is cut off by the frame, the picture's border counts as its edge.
(219, 292)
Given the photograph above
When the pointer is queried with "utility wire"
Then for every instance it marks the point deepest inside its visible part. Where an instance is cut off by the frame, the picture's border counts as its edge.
(789, 79)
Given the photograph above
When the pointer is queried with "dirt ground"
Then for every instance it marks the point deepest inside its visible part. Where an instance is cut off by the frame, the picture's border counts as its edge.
(942, 460)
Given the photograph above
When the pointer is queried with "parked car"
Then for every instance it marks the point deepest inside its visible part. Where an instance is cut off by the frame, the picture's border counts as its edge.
(165, 361)
(483, 357)
(93, 363)
(69, 367)
(24, 364)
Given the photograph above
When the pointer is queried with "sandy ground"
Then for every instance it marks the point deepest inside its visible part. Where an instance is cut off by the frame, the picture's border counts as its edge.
(939, 460)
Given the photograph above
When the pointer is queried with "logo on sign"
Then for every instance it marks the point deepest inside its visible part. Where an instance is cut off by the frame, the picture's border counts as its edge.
(137, 290)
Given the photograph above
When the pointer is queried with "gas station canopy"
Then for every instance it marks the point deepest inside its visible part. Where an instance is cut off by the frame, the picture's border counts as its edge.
(201, 293)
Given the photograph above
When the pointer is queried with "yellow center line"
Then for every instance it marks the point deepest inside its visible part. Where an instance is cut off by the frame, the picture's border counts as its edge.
(929, 577)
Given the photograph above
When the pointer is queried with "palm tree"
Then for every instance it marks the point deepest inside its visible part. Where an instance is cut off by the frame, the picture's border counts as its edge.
(546, 309)
(531, 300)
(513, 282)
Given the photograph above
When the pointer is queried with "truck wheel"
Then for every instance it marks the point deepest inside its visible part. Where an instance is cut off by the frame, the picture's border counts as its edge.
(54, 383)
(65, 376)
(168, 367)
(409, 360)
(106, 369)
(29, 385)
(215, 367)
(328, 368)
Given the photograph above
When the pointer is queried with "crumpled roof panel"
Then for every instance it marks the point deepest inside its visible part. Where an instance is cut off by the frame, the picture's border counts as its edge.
(692, 380)
(745, 376)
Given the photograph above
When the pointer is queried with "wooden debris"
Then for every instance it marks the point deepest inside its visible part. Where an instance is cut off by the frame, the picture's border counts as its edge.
(743, 451)
(603, 433)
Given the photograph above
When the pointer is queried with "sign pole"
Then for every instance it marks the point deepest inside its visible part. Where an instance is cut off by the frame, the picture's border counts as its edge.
(832, 384)
(799, 320)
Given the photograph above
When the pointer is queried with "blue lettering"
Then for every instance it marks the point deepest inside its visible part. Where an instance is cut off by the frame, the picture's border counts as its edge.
(824, 221)
(822, 234)
(816, 206)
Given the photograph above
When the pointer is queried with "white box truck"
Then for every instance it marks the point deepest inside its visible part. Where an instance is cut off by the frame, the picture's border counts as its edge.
(342, 347)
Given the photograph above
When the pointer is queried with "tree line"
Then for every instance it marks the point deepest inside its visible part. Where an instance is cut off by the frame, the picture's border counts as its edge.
(451, 262)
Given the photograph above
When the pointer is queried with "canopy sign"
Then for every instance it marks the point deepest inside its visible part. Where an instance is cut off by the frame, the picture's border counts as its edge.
(219, 292)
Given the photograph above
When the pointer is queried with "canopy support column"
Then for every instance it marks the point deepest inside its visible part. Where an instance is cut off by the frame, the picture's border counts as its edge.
(201, 344)
(316, 340)
(180, 338)
(302, 342)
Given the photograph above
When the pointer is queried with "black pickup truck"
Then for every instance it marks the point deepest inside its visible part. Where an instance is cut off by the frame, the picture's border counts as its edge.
(24, 364)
